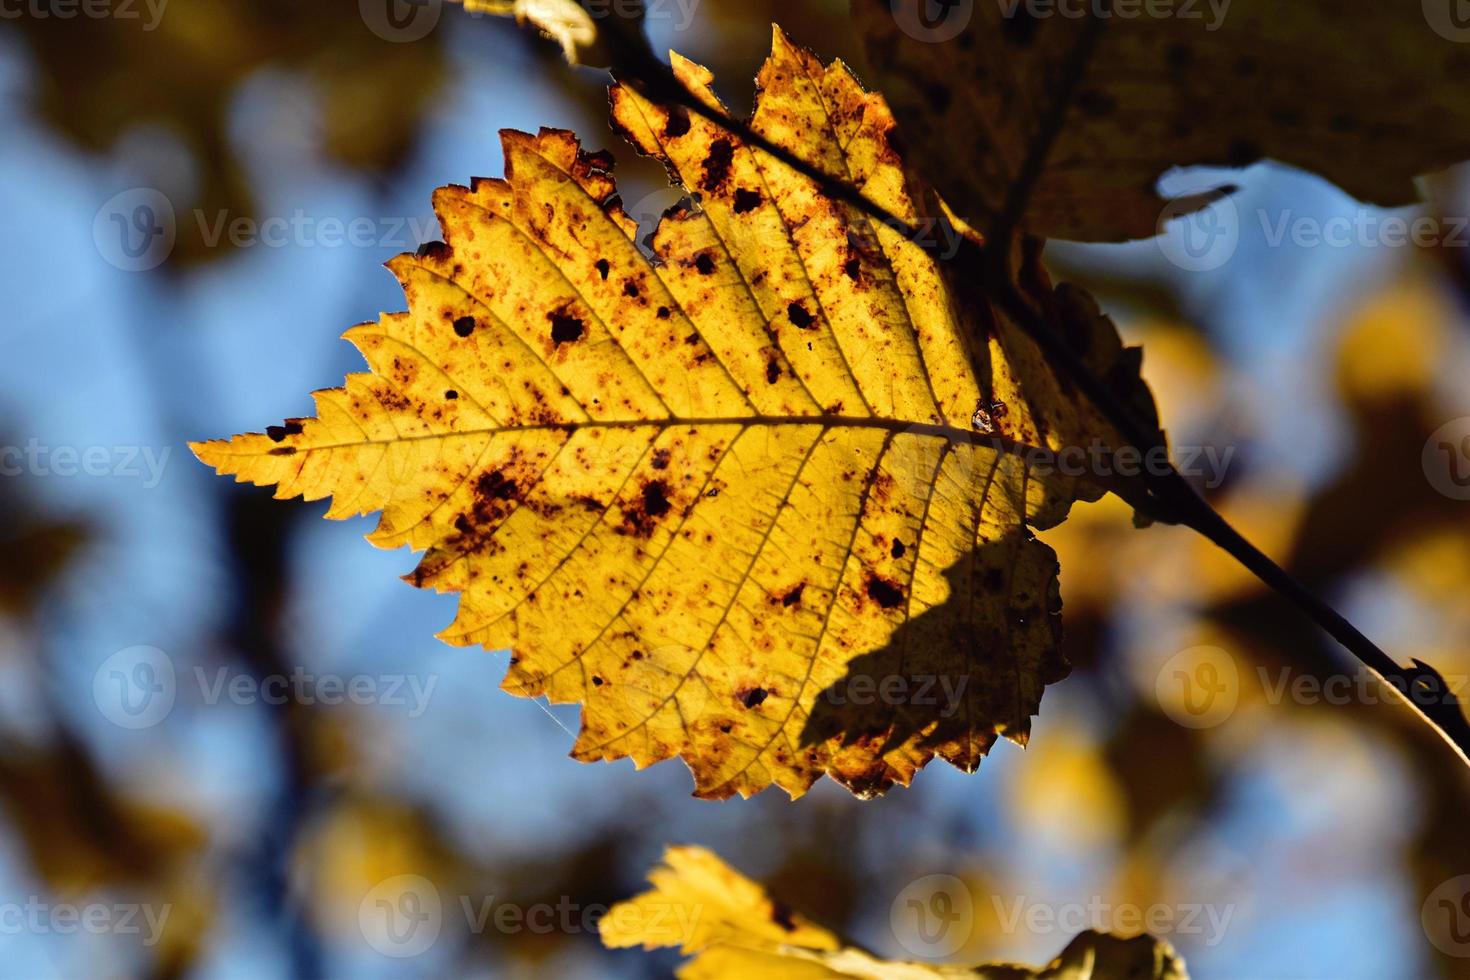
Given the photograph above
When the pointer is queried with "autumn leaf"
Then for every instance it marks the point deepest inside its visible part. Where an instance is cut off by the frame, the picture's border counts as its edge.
(760, 498)
(733, 930)
(1099, 106)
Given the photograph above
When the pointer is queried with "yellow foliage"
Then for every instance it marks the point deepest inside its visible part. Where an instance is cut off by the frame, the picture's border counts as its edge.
(760, 499)
(734, 930)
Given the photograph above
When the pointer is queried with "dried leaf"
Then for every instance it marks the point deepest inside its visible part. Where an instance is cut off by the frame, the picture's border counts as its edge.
(1108, 102)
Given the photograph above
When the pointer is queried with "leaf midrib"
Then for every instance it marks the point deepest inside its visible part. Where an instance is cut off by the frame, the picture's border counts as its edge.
(898, 426)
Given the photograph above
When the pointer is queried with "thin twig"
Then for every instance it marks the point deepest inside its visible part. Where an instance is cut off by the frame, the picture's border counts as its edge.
(1170, 497)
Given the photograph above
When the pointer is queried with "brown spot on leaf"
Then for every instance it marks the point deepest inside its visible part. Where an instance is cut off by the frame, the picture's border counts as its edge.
(898, 549)
(464, 326)
(678, 122)
(752, 697)
(717, 164)
(704, 264)
(639, 517)
(603, 268)
(746, 200)
(885, 593)
(292, 427)
(800, 317)
(565, 328)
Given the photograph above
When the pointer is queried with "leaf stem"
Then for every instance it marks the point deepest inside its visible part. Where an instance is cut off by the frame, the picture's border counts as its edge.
(1170, 497)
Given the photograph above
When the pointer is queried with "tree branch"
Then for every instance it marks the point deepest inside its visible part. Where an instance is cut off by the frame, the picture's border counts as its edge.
(1169, 496)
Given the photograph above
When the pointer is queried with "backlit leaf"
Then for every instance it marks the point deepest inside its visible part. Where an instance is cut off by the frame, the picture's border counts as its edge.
(734, 930)
(760, 498)
(1108, 97)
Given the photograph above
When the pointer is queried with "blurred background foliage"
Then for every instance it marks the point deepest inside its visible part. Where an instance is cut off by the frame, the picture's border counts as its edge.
(261, 827)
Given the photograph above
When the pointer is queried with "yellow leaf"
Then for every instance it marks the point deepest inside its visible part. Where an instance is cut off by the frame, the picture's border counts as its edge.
(1107, 102)
(699, 901)
(579, 30)
(734, 930)
(760, 499)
